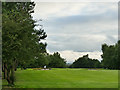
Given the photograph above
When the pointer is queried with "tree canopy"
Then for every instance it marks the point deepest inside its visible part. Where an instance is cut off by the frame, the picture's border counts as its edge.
(86, 62)
(111, 56)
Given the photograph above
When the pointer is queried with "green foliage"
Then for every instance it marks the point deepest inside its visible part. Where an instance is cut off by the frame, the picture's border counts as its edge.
(17, 31)
(21, 41)
(86, 62)
(56, 61)
(111, 56)
(39, 61)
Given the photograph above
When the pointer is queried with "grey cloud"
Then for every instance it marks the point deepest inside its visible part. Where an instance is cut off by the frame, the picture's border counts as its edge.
(94, 24)
(70, 32)
(74, 43)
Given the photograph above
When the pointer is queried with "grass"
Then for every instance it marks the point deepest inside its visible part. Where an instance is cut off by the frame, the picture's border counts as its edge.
(66, 78)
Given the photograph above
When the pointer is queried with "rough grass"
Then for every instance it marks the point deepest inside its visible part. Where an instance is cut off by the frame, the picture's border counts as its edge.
(66, 78)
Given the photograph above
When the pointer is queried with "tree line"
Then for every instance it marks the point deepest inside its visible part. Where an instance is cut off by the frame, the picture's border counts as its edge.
(49, 60)
(86, 62)
(110, 59)
(22, 46)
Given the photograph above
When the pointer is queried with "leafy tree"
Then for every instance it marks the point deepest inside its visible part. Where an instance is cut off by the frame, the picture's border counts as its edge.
(21, 40)
(56, 61)
(86, 62)
(39, 61)
(110, 56)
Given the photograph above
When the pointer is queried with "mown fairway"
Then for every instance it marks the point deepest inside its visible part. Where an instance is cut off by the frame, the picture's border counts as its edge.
(66, 78)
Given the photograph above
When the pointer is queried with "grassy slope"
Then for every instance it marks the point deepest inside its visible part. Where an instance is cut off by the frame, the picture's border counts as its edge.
(66, 78)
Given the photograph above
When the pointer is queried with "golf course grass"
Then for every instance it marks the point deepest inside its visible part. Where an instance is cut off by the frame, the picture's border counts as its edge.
(66, 78)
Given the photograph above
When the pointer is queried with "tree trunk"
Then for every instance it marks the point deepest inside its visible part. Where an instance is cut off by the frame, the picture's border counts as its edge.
(21, 68)
(5, 70)
(10, 75)
(3, 67)
(16, 65)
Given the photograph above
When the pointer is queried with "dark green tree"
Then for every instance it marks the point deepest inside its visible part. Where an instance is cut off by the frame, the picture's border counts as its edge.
(86, 62)
(56, 61)
(20, 39)
(110, 56)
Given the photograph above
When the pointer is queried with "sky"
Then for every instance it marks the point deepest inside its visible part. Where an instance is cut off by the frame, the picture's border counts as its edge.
(75, 29)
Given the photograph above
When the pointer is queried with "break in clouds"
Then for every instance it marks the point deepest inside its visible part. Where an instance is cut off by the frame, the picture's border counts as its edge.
(77, 29)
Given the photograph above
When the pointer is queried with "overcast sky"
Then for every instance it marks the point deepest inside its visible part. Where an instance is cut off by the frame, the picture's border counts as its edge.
(77, 29)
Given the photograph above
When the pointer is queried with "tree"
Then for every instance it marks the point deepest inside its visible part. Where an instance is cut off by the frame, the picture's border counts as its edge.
(86, 62)
(110, 56)
(39, 61)
(56, 61)
(20, 38)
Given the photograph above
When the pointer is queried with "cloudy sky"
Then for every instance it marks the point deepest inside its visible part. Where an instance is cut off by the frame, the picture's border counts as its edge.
(77, 29)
